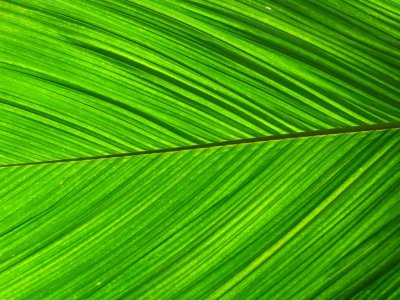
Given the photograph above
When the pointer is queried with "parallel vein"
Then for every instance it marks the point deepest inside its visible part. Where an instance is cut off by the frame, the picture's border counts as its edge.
(301, 218)
(385, 126)
(92, 78)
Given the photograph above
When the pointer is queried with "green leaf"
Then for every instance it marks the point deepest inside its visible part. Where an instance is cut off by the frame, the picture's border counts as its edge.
(283, 219)
(199, 149)
(87, 78)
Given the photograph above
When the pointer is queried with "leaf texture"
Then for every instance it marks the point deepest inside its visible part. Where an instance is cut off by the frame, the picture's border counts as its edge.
(199, 149)
(88, 78)
(310, 218)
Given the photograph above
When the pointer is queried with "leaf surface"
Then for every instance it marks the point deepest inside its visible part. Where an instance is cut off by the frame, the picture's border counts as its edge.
(88, 78)
(288, 219)
(199, 149)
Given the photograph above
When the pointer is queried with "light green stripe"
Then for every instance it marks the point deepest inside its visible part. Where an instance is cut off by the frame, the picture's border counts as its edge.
(121, 76)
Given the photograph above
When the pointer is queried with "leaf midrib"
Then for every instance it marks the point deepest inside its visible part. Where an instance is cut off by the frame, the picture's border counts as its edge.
(295, 135)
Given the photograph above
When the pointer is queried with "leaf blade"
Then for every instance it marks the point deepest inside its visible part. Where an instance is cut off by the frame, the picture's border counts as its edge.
(204, 215)
(109, 78)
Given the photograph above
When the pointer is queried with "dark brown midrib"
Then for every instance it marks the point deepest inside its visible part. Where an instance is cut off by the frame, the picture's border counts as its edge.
(324, 132)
